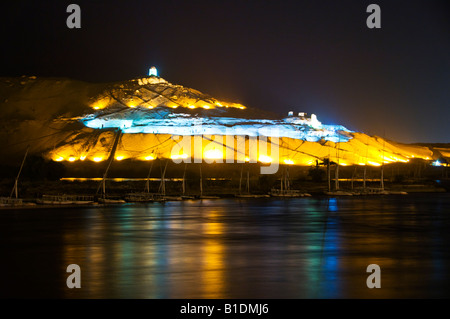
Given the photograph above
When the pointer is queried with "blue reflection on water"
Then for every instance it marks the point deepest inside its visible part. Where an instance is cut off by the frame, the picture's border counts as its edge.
(299, 248)
(332, 205)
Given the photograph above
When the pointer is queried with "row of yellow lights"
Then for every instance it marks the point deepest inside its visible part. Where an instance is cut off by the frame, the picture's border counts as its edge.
(262, 158)
(217, 154)
(102, 104)
(97, 158)
(212, 155)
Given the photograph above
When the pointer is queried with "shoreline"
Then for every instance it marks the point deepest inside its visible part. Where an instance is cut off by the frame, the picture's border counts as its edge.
(32, 203)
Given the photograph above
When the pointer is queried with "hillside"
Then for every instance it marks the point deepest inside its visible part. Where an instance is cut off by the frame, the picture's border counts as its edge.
(68, 120)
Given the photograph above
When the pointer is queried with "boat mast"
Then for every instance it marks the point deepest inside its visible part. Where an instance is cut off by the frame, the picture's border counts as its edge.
(365, 164)
(184, 178)
(201, 181)
(248, 182)
(147, 183)
(111, 158)
(337, 166)
(382, 166)
(329, 174)
(162, 186)
(353, 175)
(336, 177)
(281, 183)
(240, 180)
(15, 188)
(287, 185)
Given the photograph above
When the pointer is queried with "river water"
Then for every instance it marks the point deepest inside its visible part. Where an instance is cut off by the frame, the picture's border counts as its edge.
(314, 247)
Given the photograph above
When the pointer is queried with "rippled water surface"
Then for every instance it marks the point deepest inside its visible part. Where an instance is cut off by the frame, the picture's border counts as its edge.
(230, 248)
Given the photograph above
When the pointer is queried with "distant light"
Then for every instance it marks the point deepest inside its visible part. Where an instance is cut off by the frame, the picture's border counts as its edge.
(72, 159)
(288, 161)
(182, 156)
(265, 159)
(59, 159)
(149, 158)
(290, 113)
(98, 159)
(119, 158)
(82, 158)
(436, 163)
(315, 123)
(213, 154)
(153, 71)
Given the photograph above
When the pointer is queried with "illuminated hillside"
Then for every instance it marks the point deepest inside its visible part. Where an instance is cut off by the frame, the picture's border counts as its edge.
(72, 121)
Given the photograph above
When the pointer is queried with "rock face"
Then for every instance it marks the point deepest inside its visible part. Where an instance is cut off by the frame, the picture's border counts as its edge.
(67, 120)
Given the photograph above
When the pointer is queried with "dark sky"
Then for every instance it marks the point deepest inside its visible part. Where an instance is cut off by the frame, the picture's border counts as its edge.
(313, 56)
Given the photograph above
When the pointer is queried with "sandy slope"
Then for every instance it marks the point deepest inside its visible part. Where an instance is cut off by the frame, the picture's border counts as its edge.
(46, 114)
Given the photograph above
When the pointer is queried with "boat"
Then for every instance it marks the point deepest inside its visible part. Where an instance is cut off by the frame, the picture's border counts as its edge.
(162, 188)
(16, 201)
(201, 188)
(54, 200)
(247, 194)
(251, 195)
(105, 200)
(146, 196)
(10, 202)
(285, 189)
(208, 197)
(173, 198)
(339, 193)
(139, 197)
(7, 202)
(287, 193)
(336, 191)
(397, 193)
(65, 199)
(81, 199)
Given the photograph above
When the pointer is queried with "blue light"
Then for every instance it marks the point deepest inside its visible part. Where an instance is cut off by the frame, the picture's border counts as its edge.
(152, 71)
(332, 205)
(436, 163)
(140, 121)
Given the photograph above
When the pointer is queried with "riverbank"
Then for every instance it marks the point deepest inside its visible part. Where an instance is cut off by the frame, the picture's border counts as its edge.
(317, 191)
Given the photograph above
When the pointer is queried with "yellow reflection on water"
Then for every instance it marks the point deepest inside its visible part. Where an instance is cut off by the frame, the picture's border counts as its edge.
(92, 265)
(213, 257)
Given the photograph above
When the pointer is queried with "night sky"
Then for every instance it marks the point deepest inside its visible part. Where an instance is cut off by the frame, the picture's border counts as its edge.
(312, 56)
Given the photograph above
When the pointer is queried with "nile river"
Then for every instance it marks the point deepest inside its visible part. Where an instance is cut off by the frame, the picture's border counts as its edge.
(230, 248)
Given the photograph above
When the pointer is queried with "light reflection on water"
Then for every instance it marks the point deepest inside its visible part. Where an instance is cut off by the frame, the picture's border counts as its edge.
(255, 248)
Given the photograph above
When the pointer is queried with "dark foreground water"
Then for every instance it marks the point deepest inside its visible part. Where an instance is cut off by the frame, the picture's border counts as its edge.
(229, 248)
